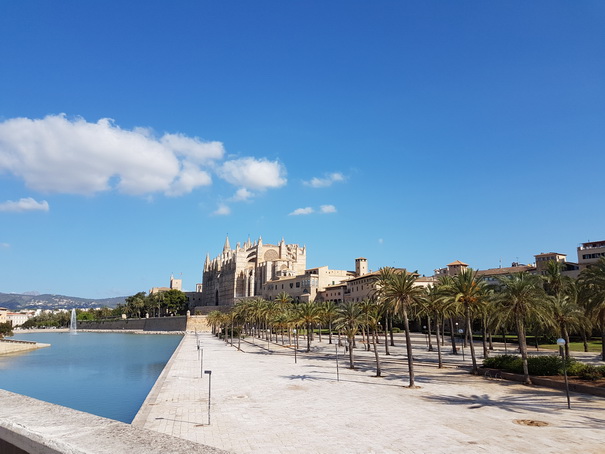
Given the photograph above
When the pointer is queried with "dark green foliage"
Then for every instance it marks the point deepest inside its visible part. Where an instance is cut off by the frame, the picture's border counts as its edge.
(590, 372)
(538, 365)
(6, 329)
(509, 363)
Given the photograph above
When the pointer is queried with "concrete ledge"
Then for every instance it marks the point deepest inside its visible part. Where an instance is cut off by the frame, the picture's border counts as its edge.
(37, 427)
(12, 346)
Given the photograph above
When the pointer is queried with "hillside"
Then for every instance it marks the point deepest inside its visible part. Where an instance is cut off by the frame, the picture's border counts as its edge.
(16, 302)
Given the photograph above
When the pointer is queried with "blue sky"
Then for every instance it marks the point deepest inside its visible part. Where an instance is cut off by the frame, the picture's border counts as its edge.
(135, 135)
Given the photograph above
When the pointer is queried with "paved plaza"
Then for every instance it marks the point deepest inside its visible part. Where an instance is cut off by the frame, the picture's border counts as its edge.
(264, 402)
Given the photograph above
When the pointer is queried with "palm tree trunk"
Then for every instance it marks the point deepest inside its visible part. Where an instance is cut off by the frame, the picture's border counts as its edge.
(585, 340)
(566, 337)
(351, 363)
(523, 348)
(442, 333)
(471, 344)
(330, 331)
(308, 337)
(374, 339)
(391, 330)
(438, 344)
(491, 341)
(454, 349)
(428, 327)
(386, 335)
(408, 345)
(603, 336)
(484, 328)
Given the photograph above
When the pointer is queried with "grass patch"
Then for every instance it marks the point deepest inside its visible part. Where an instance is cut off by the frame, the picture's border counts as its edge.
(593, 346)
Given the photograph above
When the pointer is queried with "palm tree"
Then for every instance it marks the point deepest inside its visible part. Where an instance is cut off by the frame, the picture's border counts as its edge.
(329, 311)
(398, 288)
(593, 278)
(433, 304)
(348, 320)
(469, 292)
(521, 298)
(554, 282)
(214, 319)
(567, 316)
(308, 315)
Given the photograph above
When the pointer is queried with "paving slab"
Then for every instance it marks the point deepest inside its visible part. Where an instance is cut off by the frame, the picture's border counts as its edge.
(262, 401)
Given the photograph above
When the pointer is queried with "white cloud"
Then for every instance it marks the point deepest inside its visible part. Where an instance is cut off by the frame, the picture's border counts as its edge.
(252, 173)
(222, 210)
(25, 204)
(61, 155)
(193, 148)
(242, 194)
(4, 245)
(327, 209)
(302, 211)
(328, 180)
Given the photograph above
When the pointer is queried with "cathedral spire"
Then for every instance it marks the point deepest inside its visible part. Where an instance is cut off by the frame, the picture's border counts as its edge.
(227, 246)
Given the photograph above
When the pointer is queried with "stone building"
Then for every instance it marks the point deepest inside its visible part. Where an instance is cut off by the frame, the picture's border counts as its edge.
(243, 271)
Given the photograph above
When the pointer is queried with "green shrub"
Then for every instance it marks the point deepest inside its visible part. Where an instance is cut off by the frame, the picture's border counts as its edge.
(590, 372)
(574, 367)
(396, 330)
(545, 365)
(510, 363)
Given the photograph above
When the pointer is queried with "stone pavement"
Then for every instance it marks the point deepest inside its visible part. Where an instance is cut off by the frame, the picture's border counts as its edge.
(262, 402)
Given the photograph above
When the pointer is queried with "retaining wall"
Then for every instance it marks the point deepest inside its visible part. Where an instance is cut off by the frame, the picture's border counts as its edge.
(139, 324)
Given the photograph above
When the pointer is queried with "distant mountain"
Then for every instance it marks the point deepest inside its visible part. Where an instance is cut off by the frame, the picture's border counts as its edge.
(16, 301)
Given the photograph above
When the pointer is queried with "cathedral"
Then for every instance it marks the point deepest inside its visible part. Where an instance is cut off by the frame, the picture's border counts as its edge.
(242, 272)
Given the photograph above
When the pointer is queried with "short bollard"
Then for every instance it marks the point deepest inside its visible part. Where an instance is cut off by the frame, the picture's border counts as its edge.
(209, 372)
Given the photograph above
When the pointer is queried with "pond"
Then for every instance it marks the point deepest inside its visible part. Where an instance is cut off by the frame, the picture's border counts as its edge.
(106, 374)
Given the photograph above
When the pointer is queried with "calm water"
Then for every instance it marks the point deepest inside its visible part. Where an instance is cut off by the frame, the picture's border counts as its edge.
(105, 374)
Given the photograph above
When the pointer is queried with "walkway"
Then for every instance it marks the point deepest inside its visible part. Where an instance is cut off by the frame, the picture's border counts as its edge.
(262, 402)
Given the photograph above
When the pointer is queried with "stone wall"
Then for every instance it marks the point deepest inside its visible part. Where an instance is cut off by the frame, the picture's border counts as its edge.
(139, 324)
(198, 323)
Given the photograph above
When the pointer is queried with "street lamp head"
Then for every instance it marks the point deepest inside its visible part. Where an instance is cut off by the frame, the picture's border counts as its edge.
(560, 342)
(460, 330)
(209, 372)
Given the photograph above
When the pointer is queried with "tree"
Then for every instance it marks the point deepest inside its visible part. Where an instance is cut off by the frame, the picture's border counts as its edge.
(521, 298)
(398, 288)
(175, 301)
(348, 320)
(135, 304)
(469, 292)
(593, 278)
(329, 311)
(567, 316)
(6, 329)
(308, 314)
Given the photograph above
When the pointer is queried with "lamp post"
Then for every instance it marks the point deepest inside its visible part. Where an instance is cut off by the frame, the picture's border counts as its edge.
(427, 336)
(201, 362)
(209, 372)
(460, 331)
(561, 343)
(268, 337)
